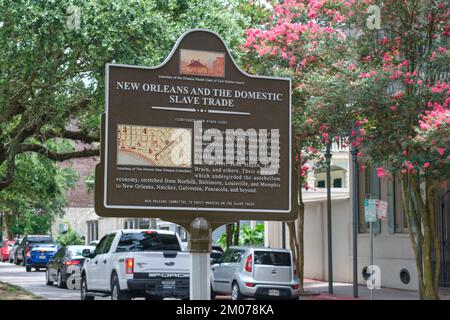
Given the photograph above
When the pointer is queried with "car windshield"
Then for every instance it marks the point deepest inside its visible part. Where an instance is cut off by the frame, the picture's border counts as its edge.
(78, 251)
(272, 258)
(148, 241)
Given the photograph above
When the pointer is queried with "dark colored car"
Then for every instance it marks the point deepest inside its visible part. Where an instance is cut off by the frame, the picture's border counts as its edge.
(39, 256)
(67, 261)
(24, 249)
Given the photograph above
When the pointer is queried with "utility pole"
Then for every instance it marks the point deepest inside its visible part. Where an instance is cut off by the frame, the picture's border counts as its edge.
(355, 209)
(329, 222)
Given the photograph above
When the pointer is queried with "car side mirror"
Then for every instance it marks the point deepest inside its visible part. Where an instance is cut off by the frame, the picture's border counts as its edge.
(87, 253)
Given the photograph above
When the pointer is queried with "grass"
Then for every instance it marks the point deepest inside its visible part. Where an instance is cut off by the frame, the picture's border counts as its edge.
(13, 292)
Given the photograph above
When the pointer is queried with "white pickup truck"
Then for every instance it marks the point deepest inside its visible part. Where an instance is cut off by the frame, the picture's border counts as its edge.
(136, 263)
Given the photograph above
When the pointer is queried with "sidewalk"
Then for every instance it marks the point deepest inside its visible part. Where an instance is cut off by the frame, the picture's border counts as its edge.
(344, 291)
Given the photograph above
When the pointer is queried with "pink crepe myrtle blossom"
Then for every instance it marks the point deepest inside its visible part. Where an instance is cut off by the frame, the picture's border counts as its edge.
(383, 173)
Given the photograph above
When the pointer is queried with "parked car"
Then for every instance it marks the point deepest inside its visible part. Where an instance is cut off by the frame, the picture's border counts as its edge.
(39, 255)
(24, 249)
(66, 262)
(6, 249)
(13, 252)
(136, 263)
(255, 272)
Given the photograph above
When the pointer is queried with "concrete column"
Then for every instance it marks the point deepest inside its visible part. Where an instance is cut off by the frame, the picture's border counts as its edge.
(200, 282)
(199, 247)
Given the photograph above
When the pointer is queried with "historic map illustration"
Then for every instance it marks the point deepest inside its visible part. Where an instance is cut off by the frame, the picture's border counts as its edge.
(154, 146)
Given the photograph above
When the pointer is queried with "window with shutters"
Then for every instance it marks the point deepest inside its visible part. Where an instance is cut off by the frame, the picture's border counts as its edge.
(397, 220)
(337, 183)
(92, 228)
(143, 223)
(369, 188)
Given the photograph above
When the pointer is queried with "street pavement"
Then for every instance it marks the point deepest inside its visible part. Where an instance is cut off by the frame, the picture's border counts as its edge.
(34, 282)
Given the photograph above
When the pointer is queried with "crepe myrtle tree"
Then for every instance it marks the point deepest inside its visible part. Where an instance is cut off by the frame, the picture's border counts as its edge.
(391, 83)
(53, 55)
(306, 41)
(402, 89)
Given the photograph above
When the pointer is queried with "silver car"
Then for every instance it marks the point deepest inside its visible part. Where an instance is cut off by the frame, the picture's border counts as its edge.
(255, 272)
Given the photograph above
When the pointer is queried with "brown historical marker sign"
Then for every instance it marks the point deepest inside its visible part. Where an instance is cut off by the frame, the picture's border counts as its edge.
(196, 136)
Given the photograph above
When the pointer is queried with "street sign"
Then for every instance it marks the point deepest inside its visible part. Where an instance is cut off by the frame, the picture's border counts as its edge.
(370, 210)
(382, 207)
(196, 136)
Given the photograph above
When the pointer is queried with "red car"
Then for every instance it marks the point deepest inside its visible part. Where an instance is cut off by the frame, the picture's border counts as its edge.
(4, 251)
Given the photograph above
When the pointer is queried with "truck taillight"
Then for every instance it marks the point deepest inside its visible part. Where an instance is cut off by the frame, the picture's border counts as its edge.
(27, 250)
(248, 263)
(129, 265)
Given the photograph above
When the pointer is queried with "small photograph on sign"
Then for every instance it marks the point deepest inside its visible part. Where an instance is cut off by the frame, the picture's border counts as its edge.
(154, 146)
(202, 63)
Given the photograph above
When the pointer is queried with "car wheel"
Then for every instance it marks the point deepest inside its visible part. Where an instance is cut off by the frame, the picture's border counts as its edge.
(28, 269)
(236, 292)
(60, 281)
(47, 278)
(84, 289)
(116, 293)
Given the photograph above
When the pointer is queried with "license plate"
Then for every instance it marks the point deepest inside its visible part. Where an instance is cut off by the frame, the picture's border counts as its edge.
(274, 292)
(42, 257)
(168, 283)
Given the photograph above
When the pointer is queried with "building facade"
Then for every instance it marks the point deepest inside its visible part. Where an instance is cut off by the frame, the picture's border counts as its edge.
(393, 252)
(81, 217)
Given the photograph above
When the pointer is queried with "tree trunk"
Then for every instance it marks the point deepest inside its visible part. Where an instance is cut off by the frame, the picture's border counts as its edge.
(229, 234)
(418, 206)
(296, 234)
(300, 238)
(7, 220)
(293, 244)
(236, 233)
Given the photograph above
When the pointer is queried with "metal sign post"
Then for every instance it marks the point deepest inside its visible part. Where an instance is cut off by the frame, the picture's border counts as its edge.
(370, 210)
(371, 253)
